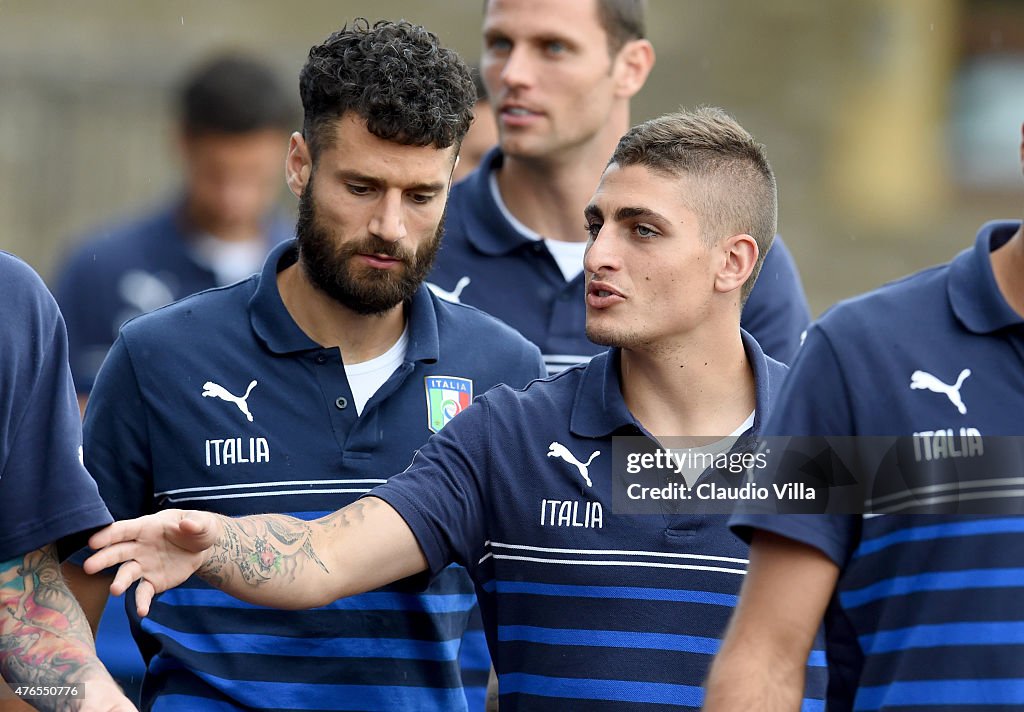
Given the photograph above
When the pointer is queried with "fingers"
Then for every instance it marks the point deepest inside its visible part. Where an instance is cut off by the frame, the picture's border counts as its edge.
(118, 531)
(199, 531)
(144, 597)
(126, 575)
(110, 556)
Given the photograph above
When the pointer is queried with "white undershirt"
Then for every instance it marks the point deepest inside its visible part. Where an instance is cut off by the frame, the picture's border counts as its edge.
(568, 255)
(230, 261)
(365, 378)
(691, 474)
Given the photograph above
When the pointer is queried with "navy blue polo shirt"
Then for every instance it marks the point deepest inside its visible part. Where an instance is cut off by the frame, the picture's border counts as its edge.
(221, 402)
(927, 611)
(584, 609)
(516, 279)
(47, 495)
(120, 272)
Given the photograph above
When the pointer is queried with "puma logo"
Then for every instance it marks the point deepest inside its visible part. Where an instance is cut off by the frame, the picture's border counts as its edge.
(452, 296)
(561, 451)
(212, 390)
(921, 380)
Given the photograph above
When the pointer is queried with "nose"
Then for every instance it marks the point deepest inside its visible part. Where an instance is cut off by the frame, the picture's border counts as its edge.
(601, 255)
(388, 222)
(517, 70)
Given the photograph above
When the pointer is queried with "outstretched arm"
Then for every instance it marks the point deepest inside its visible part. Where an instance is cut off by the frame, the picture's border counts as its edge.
(268, 559)
(45, 639)
(763, 658)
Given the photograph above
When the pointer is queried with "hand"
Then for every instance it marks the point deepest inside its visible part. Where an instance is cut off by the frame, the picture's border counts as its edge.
(160, 550)
(104, 695)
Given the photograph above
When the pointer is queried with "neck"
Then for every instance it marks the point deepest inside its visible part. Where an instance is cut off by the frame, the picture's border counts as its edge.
(548, 193)
(330, 324)
(233, 232)
(694, 387)
(1008, 267)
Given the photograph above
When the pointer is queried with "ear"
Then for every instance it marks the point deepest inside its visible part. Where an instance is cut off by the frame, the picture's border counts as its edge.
(298, 166)
(739, 255)
(631, 66)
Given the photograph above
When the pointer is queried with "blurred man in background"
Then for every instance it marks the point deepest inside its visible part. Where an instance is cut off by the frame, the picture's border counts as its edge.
(560, 75)
(232, 136)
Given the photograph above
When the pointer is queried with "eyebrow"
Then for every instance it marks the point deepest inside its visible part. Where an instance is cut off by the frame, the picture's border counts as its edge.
(378, 183)
(592, 212)
(646, 213)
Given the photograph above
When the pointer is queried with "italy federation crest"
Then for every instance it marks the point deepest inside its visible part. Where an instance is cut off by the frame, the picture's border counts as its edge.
(447, 396)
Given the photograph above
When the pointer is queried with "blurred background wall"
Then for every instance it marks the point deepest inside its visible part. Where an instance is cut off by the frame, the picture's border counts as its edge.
(893, 125)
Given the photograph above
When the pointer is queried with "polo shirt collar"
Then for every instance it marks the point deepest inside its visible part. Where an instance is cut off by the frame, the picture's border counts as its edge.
(279, 332)
(599, 410)
(486, 228)
(973, 292)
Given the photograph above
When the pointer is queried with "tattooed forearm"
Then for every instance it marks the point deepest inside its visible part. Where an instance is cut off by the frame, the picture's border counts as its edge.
(44, 636)
(261, 549)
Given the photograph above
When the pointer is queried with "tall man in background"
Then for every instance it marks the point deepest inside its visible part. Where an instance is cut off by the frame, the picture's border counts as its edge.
(560, 75)
(233, 118)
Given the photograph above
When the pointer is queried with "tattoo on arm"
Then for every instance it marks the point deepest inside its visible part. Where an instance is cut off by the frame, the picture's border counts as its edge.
(265, 548)
(45, 638)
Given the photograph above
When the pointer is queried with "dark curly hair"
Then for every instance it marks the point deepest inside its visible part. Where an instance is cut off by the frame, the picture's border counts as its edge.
(396, 76)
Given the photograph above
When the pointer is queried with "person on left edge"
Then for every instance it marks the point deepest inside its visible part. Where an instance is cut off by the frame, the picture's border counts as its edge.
(50, 504)
(585, 607)
(233, 119)
(301, 388)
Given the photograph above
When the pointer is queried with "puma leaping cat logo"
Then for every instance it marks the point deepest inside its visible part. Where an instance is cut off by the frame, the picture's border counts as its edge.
(212, 390)
(921, 380)
(452, 296)
(561, 451)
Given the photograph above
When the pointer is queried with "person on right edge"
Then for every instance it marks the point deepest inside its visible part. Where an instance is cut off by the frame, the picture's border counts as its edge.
(921, 611)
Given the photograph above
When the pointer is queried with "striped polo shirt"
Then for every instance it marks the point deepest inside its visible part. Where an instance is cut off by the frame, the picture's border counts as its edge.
(584, 608)
(927, 612)
(221, 402)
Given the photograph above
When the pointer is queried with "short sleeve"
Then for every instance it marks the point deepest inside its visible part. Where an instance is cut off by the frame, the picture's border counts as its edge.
(813, 401)
(47, 494)
(440, 495)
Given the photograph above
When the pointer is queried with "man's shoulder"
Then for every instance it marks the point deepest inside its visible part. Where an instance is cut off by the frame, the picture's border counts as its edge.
(218, 310)
(548, 397)
(458, 322)
(120, 244)
(27, 295)
(904, 305)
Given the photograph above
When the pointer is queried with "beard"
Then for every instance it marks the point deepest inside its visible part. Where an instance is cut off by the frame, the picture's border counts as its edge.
(327, 262)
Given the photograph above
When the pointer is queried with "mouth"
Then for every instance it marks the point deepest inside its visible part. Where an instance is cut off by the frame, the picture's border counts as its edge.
(379, 261)
(517, 115)
(601, 295)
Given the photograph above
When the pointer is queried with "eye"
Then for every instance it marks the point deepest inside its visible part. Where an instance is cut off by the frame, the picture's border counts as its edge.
(355, 189)
(593, 228)
(498, 44)
(421, 198)
(555, 47)
(645, 232)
